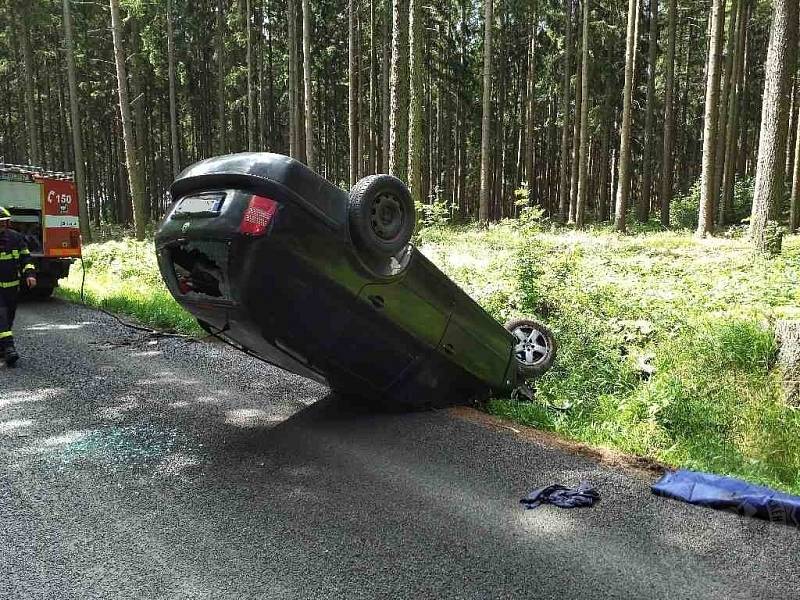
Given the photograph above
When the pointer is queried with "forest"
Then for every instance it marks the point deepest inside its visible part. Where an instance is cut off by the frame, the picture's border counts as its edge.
(588, 111)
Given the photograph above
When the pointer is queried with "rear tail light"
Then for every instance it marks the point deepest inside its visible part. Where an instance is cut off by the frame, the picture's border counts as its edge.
(258, 216)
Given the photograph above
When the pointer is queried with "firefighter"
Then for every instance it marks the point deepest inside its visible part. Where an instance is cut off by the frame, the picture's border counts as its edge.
(15, 263)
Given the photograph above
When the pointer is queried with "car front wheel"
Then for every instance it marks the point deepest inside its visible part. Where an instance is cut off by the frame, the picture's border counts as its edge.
(534, 347)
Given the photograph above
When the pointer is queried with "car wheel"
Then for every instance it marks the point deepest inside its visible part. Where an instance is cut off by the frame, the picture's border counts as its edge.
(534, 347)
(381, 215)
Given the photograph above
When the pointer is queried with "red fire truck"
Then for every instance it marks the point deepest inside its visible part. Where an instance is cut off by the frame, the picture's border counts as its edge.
(44, 208)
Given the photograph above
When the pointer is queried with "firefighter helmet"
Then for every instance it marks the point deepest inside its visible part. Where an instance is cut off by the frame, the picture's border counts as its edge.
(4, 214)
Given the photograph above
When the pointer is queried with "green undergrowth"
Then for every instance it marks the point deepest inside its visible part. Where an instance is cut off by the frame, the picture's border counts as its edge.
(123, 277)
(666, 344)
(697, 314)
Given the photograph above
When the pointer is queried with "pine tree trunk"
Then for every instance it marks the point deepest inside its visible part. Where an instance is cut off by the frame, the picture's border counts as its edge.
(486, 116)
(173, 103)
(292, 83)
(584, 141)
(22, 21)
(530, 121)
(352, 84)
(669, 117)
(416, 29)
(705, 222)
(793, 116)
(134, 174)
(385, 100)
(251, 112)
(222, 124)
(398, 86)
(563, 188)
(725, 100)
(732, 127)
(794, 203)
(576, 137)
(311, 159)
(643, 210)
(774, 119)
(624, 176)
(75, 118)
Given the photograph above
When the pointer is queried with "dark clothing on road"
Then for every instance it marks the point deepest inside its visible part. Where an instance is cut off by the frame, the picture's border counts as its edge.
(15, 262)
(561, 495)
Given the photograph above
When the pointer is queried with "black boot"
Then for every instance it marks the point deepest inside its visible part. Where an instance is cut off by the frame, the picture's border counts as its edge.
(11, 356)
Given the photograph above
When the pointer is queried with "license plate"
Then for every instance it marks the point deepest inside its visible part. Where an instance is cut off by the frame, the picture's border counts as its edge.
(200, 204)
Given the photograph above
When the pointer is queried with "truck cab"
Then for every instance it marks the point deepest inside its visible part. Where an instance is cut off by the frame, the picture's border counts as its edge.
(44, 208)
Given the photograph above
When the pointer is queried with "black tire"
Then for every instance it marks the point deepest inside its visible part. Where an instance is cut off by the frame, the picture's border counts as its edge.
(535, 348)
(381, 215)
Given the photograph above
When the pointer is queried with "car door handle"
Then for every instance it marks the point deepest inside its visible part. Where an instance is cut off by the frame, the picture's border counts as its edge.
(377, 301)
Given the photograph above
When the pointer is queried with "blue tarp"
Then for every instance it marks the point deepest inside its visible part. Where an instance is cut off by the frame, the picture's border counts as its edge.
(727, 493)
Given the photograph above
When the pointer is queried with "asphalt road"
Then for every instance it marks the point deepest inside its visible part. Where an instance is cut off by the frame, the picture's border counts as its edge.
(133, 467)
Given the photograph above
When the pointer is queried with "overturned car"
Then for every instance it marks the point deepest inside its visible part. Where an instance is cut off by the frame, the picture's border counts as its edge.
(271, 256)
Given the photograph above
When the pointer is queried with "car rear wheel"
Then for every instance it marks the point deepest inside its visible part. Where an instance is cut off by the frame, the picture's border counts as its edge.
(534, 347)
(381, 215)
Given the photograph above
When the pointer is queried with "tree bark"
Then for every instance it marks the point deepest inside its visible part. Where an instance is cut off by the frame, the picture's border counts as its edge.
(75, 118)
(794, 203)
(774, 119)
(387, 53)
(398, 86)
(732, 126)
(251, 112)
(220, 52)
(530, 108)
(352, 84)
(584, 141)
(705, 222)
(725, 101)
(669, 117)
(624, 176)
(311, 159)
(563, 188)
(292, 83)
(416, 29)
(132, 161)
(486, 116)
(643, 211)
(23, 14)
(173, 103)
(576, 137)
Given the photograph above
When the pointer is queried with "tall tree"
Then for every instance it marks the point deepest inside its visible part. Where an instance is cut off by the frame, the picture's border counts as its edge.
(669, 117)
(75, 118)
(131, 155)
(251, 109)
(563, 195)
(352, 84)
(308, 96)
(780, 65)
(794, 202)
(220, 52)
(725, 101)
(705, 223)
(292, 82)
(732, 126)
(624, 176)
(643, 207)
(398, 90)
(583, 168)
(486, 113)
(173, 101)
(416, 29)
(22, 13)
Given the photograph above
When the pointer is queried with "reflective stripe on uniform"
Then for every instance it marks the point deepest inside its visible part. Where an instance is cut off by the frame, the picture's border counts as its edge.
(13, 255)
(5, 334)
(28, 267)
(9, 284)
